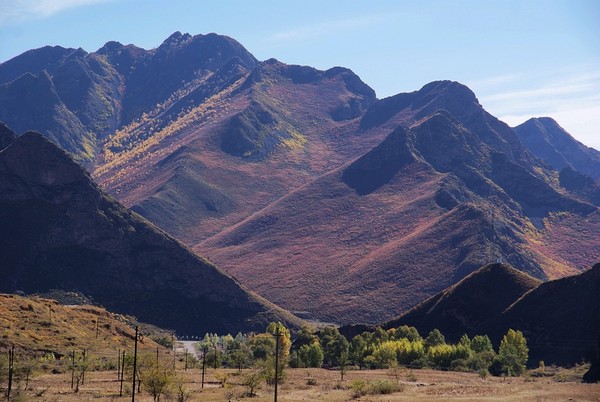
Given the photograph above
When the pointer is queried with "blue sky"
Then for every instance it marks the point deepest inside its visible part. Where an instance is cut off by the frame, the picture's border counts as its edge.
(521, 58)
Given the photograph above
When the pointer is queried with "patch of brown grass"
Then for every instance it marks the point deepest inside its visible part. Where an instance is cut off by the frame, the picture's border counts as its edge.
(41, 326)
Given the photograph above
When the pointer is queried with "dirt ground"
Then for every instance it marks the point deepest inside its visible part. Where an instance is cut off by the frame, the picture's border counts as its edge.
(416, 385)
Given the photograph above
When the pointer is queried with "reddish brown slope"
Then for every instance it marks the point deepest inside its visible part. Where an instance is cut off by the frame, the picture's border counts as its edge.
(300, 249)
(222, 158)
(414, 215)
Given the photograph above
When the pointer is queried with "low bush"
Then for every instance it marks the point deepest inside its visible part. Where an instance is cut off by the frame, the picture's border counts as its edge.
(361, 388)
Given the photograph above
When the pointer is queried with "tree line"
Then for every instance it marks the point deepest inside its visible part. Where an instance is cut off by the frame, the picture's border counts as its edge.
(379, 349)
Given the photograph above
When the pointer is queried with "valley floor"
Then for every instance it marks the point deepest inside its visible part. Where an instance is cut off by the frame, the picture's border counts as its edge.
(417, 385)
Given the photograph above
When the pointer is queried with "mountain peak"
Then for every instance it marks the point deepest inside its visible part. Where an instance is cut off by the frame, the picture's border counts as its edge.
(175, 39)
(449, 95)
(33, 61)
(110, 47)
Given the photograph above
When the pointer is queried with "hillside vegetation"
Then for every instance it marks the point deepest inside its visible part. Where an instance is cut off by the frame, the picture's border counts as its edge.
(39, 326)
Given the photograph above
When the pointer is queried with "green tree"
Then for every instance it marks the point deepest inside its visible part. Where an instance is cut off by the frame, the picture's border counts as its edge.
(408, 352)
(262, 346)
(360, 348)
(407, 332)
(379, 336)
(434, 338)
(311, 355)
(306, 336)
(385, 354)
(157, 380)
(333, 344)
(240, 357)
(214, 357)
(481, 343)
(465, 341)
(513, 353)
(285, 340)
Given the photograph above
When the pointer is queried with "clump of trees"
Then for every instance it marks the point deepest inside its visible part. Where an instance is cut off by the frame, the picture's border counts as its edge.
(404, 346)
(380, 349)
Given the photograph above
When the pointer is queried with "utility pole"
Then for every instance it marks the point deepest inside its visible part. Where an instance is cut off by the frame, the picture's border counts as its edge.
(83, 368)
(134, 365)
(276, 360)
(122, 374)
(11, 368)
(204, 364)
(73, 370)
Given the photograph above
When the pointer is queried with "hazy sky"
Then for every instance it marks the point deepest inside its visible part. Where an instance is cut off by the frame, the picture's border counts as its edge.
(521, 58)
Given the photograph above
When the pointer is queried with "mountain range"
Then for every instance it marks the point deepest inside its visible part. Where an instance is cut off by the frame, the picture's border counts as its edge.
(303, 185)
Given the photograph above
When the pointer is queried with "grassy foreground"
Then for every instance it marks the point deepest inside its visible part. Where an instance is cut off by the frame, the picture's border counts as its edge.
(325, 385)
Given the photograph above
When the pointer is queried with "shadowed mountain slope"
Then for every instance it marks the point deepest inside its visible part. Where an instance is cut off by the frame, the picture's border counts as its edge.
(59, 231)
(7, 136)
(462, 308)
(559, 318)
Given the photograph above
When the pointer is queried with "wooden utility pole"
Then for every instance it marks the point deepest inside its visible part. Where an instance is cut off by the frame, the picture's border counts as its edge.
(118, 364)
(276, 360)
(134, 365)
(83, 368)
(204, 364)
(122, 358)
(11, 369)
(73, 370)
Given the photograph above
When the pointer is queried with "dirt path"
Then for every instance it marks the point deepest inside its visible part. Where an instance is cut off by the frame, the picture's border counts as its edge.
(182, 346)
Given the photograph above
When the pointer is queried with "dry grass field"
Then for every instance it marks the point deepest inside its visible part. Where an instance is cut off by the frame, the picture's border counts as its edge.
(325, 385)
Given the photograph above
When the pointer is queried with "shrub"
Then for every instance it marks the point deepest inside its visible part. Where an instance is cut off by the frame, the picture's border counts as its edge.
(380, 387)
(460, 365)
(359, 388)
(252, 380)
(384, 387)
(157, 380)
(481, 360)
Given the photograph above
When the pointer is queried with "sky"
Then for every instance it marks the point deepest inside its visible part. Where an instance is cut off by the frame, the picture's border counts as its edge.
(523, 59)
